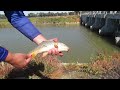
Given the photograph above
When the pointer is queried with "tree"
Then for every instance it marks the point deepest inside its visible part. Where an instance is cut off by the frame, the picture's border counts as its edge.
(32, 15)
(71, 13)
(77, 12)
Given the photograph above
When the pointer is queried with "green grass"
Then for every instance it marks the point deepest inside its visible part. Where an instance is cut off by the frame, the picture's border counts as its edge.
(59, 20)
(4, 23)
(55, 20)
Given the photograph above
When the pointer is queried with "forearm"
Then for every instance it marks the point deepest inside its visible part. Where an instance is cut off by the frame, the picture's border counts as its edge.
(3, 54)
(9, 57)
(24, 25)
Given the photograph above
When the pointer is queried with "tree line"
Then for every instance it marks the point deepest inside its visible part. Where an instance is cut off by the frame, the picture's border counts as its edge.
(41, 14)
(53, 14)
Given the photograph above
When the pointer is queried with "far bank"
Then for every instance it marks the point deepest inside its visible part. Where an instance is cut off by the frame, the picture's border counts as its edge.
(50, 20)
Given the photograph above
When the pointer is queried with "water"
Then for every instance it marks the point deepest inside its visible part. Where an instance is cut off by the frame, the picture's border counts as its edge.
(83, 43)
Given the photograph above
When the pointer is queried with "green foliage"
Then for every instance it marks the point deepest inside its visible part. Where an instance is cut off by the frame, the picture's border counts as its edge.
(4, 23)
(55, 19)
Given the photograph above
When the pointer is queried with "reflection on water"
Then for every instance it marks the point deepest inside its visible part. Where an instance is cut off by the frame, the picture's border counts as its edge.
(82, 42)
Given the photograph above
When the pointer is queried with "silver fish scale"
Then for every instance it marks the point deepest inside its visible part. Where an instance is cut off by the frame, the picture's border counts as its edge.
(46, 45)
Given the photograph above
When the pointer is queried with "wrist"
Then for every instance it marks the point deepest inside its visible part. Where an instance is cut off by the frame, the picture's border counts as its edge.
(9, 57)
(38, 39)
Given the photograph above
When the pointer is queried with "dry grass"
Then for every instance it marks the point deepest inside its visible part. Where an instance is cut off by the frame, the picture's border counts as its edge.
(52, 66)
(5, 68)
(104, 66)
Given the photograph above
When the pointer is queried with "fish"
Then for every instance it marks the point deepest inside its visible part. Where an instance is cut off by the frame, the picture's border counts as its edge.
(45, 46)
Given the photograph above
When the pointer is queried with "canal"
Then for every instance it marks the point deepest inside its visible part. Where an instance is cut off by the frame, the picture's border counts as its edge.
(84, 44)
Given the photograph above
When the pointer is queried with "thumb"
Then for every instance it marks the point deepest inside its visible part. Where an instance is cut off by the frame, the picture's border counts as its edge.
(29, 56)
(28, 59)
(54, 39)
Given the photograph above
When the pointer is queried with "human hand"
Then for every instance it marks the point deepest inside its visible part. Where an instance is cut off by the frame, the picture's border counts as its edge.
(54, 51)
(18, 60)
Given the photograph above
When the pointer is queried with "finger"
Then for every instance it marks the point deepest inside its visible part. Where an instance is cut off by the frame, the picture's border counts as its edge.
(53, 51)
(28, 56)
(27, 61)
(60, 54)
(49, 52)
(56, 51)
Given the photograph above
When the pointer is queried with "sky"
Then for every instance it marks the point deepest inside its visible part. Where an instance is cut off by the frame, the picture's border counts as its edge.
(27, 12)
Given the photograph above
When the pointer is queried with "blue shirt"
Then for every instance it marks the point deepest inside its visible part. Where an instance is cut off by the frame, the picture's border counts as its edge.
(19, 21)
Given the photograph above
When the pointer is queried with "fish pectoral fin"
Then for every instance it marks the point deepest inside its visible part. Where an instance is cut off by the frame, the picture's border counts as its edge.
(44, 54)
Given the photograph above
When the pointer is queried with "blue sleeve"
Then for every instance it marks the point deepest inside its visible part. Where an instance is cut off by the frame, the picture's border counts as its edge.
(22, 23)
(3, 54)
